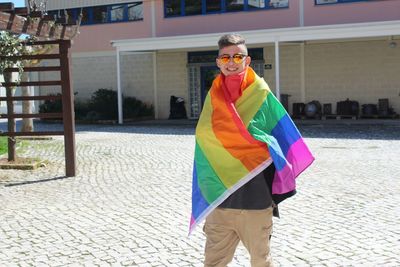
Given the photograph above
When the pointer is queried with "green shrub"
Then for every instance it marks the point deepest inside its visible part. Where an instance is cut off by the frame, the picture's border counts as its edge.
(103, 105)
(134, 108)
(52, 105)
(81, 109)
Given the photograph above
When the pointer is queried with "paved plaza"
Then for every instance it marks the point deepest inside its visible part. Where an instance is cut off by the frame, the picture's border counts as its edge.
(129, 205)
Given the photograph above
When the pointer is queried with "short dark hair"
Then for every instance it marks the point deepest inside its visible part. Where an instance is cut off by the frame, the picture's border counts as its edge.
(231, 39)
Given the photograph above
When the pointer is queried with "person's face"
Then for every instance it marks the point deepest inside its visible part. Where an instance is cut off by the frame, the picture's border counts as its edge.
(233, 59)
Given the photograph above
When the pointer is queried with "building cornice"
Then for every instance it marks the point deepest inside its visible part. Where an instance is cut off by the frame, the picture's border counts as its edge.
(257, 37)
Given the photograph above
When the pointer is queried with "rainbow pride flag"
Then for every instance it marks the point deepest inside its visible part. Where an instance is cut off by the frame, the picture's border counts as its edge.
(236, 141)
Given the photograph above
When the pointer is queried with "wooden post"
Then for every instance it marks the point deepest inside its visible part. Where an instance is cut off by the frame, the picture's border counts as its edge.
(11, 120)
(68, 109)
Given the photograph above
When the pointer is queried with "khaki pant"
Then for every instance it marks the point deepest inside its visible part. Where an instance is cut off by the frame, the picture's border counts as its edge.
(224, 228)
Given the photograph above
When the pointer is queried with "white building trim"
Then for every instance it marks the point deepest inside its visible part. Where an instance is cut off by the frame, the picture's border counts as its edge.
(309, 33)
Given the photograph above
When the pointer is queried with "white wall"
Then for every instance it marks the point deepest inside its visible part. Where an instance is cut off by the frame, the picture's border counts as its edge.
(171, 80)
(363, 71)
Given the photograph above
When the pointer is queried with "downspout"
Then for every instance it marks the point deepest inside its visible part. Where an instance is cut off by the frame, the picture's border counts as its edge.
(119, 91)
(277, 74)
(302, 56)
(302, 74)
(153, 19)
(301, 13)
(156, 116)
(153, 34)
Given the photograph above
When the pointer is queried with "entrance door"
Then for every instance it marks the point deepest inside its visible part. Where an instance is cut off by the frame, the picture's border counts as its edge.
(207, 75)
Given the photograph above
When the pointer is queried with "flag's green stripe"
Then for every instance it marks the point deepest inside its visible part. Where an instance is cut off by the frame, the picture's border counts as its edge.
(228, 168)
(208, 181)
(269, 114)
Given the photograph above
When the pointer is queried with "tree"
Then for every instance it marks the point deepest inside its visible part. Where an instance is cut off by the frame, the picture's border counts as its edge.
(10, 45)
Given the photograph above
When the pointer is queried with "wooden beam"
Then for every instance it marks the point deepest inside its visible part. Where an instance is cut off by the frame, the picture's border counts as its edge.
(34, 69)
(38, 83)
(7, 6)
(31, 133)
(28, 57)
(29, 98)
(40, 28)
(22, 11)
(35, 115)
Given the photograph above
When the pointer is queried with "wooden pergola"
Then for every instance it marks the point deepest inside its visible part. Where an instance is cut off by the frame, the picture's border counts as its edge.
(47, 31)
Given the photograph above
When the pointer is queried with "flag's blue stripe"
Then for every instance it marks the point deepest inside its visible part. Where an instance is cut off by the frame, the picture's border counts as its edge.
(285, 133)
(199, 204)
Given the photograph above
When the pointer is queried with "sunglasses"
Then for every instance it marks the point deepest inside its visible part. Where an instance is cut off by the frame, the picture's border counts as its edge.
(237, 58)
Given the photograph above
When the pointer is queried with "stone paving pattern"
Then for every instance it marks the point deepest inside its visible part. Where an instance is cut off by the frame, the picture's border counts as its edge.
(129, 205)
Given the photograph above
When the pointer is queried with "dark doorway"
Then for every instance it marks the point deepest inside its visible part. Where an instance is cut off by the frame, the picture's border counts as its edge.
(208, 74)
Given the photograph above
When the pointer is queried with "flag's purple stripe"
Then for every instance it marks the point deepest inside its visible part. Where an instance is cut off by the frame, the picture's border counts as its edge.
(298, 159)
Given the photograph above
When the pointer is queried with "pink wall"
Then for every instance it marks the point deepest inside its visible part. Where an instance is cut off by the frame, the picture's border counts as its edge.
(226, 22)
(97, 37)
(350, 12)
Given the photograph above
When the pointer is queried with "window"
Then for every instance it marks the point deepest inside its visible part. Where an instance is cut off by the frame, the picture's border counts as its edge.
(253, 4)
(173, 8)
(99, 14)
(103, 14)
(326, 2)
(85, 15)
(193, 7)
(135, 11)
(117, 13)
(234, 5)
(278, 3)
(213, 6)
(70, 14)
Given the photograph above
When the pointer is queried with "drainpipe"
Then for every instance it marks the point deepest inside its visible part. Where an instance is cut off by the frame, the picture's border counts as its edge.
(153, 19)
(302, 73)
(277, 80)
(301, 13)
(119, 92)
(155, 85)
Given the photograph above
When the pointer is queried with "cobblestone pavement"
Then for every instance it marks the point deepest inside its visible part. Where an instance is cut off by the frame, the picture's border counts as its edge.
(129, 205)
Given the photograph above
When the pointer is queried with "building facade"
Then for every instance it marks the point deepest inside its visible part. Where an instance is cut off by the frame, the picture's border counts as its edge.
(324, 50)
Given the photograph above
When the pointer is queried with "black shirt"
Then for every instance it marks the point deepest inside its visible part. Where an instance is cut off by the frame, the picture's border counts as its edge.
(254, 195)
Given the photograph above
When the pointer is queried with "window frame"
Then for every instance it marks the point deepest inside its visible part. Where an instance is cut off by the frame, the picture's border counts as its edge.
(342, 2)
(222, 10)
(76, 11)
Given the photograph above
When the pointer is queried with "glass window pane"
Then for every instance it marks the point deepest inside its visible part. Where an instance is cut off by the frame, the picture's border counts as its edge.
(278, 3)
(192, 7)
(117, 13)
(135, 11)
(234, 5)
(213, 5)
(52, 13)
(71, 14)
(85, 15)
(255, 4)
(100, 14)
(321, 2)
(172, 7)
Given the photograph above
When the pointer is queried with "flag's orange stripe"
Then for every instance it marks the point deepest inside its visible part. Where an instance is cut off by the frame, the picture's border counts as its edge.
(238, 142)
